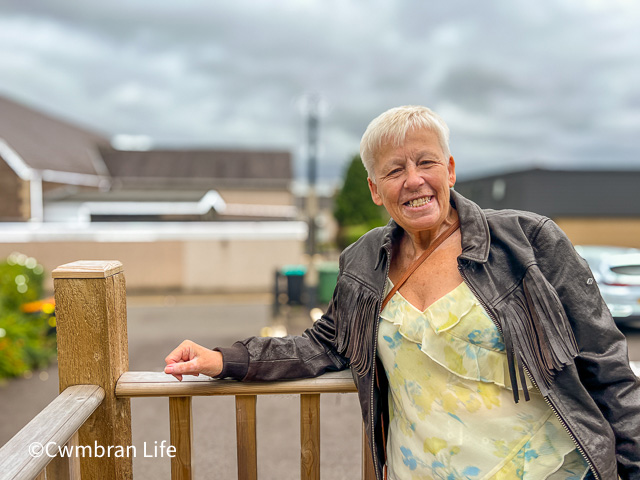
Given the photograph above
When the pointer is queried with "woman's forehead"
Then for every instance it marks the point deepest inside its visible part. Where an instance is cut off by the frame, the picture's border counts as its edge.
(416, 142)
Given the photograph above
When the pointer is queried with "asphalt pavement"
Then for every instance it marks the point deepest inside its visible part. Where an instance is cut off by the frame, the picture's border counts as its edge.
(156, 324)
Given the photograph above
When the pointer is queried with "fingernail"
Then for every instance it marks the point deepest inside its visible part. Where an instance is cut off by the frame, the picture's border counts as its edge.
(168, 369)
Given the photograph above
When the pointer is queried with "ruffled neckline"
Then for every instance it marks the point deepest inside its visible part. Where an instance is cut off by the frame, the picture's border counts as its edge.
(455, 332)
(455, 304)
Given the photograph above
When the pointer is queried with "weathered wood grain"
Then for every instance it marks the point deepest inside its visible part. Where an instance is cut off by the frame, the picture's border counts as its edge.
(88, 269)
(51, 428)
(246, 437)
(92, 349)
(310, 436)
(65, 468)
(159, 384)
(181, 429)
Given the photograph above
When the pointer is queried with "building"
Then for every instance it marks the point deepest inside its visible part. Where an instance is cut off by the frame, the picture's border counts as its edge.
(211, 220)
(39, 153)
(594, 207)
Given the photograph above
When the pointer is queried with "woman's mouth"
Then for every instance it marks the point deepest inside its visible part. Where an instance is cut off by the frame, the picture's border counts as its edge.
(419, 202)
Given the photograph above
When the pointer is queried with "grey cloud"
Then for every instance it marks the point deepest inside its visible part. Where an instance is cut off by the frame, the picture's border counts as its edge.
(515, 80)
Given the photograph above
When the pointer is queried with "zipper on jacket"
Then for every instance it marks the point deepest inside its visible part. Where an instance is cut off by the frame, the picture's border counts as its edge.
(566, 427)
(373, 369)
(546, 399)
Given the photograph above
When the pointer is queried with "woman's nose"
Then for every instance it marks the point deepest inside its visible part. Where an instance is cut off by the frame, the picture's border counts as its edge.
(413, 179)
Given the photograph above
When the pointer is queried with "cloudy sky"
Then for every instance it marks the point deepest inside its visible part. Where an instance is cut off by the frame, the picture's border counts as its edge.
(552, 82)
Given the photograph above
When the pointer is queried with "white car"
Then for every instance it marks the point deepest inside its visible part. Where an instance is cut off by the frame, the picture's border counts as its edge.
(617, 271)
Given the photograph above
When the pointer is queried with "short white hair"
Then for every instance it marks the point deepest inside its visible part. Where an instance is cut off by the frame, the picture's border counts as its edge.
(393, 125)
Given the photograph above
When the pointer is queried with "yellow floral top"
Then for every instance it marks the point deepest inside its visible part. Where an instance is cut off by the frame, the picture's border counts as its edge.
(452, 414)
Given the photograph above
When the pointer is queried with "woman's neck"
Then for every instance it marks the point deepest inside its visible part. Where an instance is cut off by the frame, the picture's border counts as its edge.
(414, 244)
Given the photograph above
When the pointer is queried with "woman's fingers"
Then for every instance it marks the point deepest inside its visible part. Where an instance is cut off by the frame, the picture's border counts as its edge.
(182, 353)
(183, 368)
(189, 358)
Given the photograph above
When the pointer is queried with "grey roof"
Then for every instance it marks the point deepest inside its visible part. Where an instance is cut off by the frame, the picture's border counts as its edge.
(48, 143)
(557, 193)
(204, 168)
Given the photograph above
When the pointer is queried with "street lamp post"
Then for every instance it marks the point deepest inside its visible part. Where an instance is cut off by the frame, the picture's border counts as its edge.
(312, 111)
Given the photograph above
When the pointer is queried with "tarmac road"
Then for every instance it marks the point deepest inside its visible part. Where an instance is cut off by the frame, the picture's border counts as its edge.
(156, 326)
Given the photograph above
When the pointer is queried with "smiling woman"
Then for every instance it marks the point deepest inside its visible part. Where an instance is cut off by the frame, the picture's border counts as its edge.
(448, 317)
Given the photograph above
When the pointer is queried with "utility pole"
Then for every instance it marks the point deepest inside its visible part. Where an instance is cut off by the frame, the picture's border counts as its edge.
(312, 110)
(312, 167)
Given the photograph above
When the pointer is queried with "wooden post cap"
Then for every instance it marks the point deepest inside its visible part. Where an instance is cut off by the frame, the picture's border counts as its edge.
(88, 269)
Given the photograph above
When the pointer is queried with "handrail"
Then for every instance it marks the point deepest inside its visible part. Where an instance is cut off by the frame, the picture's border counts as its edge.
(92, 348)
(159, 384)
(33, 447)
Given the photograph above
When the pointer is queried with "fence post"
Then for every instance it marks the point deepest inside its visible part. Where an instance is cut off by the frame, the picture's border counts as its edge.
(91, 318)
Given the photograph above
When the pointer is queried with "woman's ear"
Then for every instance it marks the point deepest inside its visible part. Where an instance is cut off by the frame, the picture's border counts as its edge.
(451, 167)
(373, 188)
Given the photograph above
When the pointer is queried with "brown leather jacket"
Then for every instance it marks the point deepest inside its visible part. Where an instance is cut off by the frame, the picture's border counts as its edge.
(540, 294)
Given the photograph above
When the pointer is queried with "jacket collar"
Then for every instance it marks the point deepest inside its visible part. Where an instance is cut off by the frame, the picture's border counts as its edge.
(474, 230)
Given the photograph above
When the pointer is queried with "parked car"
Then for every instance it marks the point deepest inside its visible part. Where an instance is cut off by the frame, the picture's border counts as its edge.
(617, 271)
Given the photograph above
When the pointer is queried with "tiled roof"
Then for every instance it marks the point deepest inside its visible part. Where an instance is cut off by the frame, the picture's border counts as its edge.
(223, 165)
(47, 143)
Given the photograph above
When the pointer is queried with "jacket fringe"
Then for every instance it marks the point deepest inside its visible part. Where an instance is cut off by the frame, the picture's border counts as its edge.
(355, 319)
(537, 333)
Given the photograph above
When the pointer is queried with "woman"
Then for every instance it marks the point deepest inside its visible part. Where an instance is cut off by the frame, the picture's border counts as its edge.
(479, 351)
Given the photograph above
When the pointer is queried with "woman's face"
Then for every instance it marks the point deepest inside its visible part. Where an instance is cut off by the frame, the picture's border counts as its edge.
(413, 182)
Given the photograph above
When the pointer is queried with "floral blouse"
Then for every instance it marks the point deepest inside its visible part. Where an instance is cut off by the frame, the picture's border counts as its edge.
(452, 414)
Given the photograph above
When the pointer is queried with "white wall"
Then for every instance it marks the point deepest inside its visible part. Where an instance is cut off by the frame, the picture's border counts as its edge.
(208, 257)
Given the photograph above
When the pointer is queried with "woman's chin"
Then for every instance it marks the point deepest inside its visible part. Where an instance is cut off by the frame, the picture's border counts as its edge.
(420, 223)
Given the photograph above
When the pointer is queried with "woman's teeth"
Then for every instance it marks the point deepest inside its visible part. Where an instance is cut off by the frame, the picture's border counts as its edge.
(418, 202)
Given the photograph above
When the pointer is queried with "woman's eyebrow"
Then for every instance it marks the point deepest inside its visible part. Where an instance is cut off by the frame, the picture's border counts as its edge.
(427, 154)
(394, 162)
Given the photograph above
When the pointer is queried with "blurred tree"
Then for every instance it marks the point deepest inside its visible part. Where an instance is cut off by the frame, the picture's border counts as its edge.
(354, 210)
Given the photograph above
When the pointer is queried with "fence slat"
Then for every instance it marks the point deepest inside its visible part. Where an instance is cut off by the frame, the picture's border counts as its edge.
(51, 428)
(181, 427)
(310, 437)
(246, 437)
(368, 470)
(67, 467)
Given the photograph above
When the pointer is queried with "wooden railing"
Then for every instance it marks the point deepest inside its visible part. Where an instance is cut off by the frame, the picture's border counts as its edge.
(94, 406)
(157, 384)
(30, 452)
(93, 366)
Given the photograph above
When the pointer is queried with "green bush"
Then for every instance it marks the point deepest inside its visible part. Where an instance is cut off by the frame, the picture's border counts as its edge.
(26, 340)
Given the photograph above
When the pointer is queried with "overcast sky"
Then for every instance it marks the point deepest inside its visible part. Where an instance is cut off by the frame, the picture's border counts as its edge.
(551, 82)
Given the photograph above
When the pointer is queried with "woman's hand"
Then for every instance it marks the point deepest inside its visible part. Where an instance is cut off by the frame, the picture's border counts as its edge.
(193, 359)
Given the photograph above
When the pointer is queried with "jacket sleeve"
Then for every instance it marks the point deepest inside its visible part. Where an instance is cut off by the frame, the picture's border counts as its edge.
(603, 361)
(271, 358)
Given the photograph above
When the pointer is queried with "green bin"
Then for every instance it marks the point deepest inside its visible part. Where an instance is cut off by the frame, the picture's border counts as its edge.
(295, 282)
(327, 279)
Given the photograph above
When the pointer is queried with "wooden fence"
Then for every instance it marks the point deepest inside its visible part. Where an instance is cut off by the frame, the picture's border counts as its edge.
(94, 407)
(95, 384)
